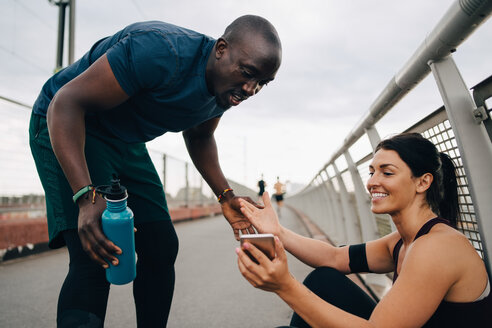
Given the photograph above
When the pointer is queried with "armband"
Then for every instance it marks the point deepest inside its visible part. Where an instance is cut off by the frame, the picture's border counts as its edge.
(358, 258)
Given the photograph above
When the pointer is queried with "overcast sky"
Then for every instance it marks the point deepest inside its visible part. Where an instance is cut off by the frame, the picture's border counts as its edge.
(337, 58)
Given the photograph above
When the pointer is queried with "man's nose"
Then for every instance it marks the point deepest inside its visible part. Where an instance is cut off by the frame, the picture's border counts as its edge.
(251, 87)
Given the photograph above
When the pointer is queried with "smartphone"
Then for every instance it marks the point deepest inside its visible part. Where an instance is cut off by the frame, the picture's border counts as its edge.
(262, 241)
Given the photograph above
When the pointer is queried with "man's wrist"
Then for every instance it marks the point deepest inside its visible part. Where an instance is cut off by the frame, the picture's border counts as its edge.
(83, 192)
(225, 195)
(85, 201)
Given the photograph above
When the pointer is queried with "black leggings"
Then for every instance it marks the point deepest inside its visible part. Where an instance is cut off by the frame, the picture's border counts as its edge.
(84, 294)
(335, 288)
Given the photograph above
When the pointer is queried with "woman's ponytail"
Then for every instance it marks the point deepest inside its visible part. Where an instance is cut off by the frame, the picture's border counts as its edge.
(448, 205)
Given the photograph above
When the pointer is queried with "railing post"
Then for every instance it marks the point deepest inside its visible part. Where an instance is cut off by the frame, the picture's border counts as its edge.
(331, 211)
(320, 201)
(324, 211)
(473, 143)
(353, 230)
(326, 219)
(366, 218)
(337, 210)
(374, 139)
(373, 136)
(310, 209)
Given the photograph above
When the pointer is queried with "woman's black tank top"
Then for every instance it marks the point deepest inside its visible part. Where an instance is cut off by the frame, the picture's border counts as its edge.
(450, 314)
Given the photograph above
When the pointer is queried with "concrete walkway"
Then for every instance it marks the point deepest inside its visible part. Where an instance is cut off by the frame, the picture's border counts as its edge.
(210, 291)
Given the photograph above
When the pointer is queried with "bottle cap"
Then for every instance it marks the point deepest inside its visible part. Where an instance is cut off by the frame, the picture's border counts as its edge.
(114, 191)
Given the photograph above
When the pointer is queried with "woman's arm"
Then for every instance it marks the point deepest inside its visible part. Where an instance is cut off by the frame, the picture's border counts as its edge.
(316, 253)
(429, 270)
(274, 276)
(422, 284)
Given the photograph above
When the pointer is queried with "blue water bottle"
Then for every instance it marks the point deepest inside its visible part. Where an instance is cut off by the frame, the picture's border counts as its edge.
(117, 224)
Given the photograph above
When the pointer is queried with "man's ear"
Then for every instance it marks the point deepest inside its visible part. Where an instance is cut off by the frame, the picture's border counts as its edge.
(220, 48)
(424, 182)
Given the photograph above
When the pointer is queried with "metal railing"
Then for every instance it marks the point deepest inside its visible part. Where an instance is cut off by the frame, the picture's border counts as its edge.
(21, 194)
(23, 225)
(336, 199)
(183, 184)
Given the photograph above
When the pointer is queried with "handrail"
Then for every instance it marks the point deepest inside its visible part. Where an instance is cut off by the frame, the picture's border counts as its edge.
(465, 126)
(459, 22)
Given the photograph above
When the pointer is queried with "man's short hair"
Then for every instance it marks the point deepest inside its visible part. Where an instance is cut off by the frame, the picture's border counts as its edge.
(248, 24)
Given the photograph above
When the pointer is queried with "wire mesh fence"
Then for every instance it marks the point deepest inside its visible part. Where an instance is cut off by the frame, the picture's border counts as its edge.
(21, 192)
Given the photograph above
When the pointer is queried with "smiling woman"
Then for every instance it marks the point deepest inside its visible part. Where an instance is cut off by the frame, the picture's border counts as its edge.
(439, 279)
(416, 159)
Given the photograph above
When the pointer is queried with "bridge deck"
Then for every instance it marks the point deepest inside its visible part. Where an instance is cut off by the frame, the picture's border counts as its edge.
(210, 291)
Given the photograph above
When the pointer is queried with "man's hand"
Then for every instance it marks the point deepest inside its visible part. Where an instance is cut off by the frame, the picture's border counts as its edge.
(231, 208)
(94, 242)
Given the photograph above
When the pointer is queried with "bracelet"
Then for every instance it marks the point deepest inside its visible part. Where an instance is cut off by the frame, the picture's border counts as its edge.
(219, 198)
(82, 191)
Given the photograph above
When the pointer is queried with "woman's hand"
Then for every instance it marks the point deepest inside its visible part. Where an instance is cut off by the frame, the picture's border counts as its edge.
(265, 220)
(231, 209)
(272, 276)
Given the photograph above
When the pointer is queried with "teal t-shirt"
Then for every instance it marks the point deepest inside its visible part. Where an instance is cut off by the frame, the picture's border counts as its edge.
(162, 69)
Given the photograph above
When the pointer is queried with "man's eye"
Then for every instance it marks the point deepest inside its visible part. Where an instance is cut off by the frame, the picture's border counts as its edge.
(387, 173)
(246, 74)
